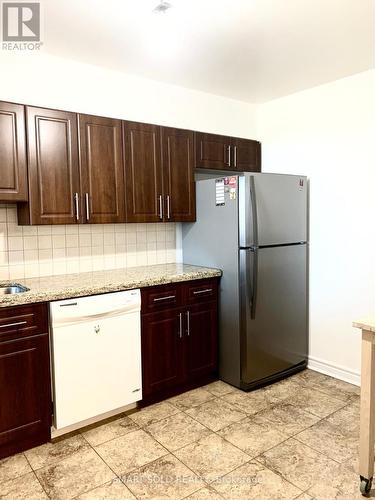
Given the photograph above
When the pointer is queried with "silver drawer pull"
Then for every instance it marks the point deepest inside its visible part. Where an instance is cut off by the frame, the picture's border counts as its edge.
(188, 322)
(197, 292)
(180, 332)
(165, 298)
(19, 323)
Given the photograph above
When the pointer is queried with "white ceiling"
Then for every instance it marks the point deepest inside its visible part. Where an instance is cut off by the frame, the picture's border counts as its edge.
(252, 50)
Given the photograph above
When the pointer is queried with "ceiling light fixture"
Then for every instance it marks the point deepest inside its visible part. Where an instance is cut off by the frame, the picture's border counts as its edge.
(162, 7)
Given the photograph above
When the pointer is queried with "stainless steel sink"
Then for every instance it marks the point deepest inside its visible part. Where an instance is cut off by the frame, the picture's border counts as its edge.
(12, 288)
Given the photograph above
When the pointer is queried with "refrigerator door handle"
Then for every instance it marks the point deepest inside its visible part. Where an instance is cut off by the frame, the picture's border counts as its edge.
(254, 215)
(249, 279)
(253, 269)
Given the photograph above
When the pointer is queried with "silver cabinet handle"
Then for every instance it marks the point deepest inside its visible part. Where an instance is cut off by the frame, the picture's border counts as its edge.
(180, 332)
(168, 206)
(87, 206)
(76, 201)
(165, 298)
(229, 148)
(197, 292)
(161, 207)
(19, 323)
(188, 322)
(235, 156)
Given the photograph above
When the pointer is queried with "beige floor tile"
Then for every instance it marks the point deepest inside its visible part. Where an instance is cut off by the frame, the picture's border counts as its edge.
(131, 451)
(101, 433)
(298, 464)
(74, 475)
(25, 487)
(219, 388)
(281, 390)
(315, 402)
(342, 485)
(309, 377)
(165, 478)
(304, 496)
(13, 467)
(216, 414)
(207, 493)
(329, 385)
(253, 435)
(191, 399)
(114, 490)
(153, 413)
(347, 419)
(249, 402)
(52, 453)
(211, 457)
(287, 418)
(177, 431)
(331, 440)
(253, 480)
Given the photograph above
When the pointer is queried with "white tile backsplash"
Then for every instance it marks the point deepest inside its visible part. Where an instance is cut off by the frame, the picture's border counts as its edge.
(32, 251)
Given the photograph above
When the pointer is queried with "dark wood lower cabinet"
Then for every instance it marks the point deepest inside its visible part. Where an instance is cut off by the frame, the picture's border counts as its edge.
(179, 341)
(25, 387)
(201, 344)
(162, 351)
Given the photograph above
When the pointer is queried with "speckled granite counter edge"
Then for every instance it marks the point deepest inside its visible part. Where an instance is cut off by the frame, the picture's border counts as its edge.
(35, 296)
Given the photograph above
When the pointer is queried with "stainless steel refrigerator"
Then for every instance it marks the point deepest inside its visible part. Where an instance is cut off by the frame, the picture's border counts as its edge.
(254, 228)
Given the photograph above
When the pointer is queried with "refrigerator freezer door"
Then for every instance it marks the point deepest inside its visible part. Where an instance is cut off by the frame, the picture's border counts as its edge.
(272, 209)
(273, 310)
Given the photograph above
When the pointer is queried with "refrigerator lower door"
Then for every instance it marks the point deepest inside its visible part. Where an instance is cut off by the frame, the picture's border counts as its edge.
(273, 302)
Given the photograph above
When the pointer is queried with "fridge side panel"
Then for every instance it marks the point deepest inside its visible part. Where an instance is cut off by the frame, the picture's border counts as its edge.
(213, 241)
(273, 310)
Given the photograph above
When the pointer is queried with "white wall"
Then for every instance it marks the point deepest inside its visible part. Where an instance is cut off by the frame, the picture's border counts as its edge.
(328, 133)
(44, 80)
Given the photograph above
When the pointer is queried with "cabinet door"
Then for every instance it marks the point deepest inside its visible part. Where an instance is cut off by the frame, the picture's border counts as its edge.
(13, 181)
(201, 340)
(143, 175)
(53, 168)
(246, 155)
(102, 170)
(162, 351)
(178, 169)
(213, 151)
(25, 396)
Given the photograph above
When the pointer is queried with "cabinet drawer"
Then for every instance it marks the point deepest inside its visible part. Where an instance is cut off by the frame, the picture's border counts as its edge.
(23, 321)
(161, 297)
(200, 291)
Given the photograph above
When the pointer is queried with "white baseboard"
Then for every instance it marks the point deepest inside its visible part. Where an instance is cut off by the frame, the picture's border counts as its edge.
(335, 371)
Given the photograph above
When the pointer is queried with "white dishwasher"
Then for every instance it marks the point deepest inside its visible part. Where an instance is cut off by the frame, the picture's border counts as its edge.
(96, 355)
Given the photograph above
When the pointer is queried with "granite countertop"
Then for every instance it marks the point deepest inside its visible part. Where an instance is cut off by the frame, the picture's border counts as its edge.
(366, 324)
(66, 286)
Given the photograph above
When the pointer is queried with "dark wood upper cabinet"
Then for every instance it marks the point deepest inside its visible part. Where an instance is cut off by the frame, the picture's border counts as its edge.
(143, 174)
(213, 151)
(217, 152)
(13, 173)
(178, 171)
(25, 395)
(246, 155)
(101, 169)
(53, 168)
